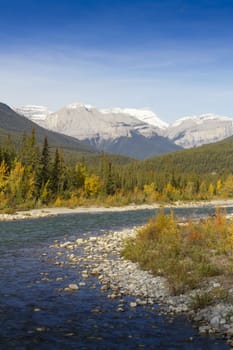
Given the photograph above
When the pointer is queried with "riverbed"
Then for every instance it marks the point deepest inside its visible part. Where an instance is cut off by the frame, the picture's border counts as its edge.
(37, 313)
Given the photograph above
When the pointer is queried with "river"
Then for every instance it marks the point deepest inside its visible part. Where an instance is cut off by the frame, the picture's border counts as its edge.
(36, 314)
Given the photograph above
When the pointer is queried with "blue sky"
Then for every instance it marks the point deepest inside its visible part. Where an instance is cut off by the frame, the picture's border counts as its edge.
(172, 56)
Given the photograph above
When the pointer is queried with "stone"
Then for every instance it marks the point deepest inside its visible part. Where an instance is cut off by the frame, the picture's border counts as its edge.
(82, 284)
(222, 321)
(203, 329)
(120, 309)
(59, 278)
(73, 287)
(112, 296)
(216, 285)
(215, 321)
(133, 304)
(79, 241)
(40, 329)
(37, 309)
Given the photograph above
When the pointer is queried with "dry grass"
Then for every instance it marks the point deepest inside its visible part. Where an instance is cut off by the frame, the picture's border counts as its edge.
(185, 254)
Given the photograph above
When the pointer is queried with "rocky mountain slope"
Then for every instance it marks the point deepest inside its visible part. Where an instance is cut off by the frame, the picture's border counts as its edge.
(37, 114)
(15, 124)
(116, 132)
(144, 115)
(193, 131)
(114, 129)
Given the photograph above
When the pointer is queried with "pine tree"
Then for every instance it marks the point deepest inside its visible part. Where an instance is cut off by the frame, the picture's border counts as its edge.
(29, 151)
(45, 162)
(109, 184)
(43, 172)
(57, 172)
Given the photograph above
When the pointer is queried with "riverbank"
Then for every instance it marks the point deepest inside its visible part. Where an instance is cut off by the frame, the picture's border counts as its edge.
(120, 279)
(44, 212)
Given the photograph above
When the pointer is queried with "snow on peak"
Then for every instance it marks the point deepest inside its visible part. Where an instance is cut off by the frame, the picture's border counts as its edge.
(77, 105)
(197, 130)
(200, 119)
(33, 112)
(144, 115)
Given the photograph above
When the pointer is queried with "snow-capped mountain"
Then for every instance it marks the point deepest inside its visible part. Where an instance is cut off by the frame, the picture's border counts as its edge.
(193, 131)
(116, 130)
(35, 113)
(109, 131)
(144, 115)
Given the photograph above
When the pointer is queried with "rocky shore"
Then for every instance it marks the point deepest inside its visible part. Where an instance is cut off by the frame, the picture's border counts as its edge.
(44, 212)
(120, 278)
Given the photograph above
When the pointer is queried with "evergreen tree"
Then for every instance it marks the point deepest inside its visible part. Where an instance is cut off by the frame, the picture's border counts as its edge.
(29, 151)
(57, 174)
(45, 162)
(109, 184)
(43, 173)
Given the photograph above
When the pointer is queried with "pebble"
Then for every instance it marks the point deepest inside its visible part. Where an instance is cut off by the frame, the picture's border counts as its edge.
(215, 321)
(120, 309)
(82, 284)
(71, 288)
(133, 304)
(40, 329)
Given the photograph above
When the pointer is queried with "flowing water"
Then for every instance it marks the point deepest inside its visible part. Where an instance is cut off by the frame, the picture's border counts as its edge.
(35, 312)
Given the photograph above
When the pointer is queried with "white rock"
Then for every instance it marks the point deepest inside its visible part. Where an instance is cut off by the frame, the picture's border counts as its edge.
(73, 287)
(215, 321)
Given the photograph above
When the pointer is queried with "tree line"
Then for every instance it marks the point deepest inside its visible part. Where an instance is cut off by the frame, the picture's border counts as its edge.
(33, 176)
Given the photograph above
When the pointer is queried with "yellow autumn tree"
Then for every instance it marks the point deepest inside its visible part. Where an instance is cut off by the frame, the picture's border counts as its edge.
(150, 191)
(45, 193)
(170, 192)
(29, 186)
(15, 177)
(3, 176)
(211, 190)
(227, 188)
(3, 184)
(92, 185)
(218, 187)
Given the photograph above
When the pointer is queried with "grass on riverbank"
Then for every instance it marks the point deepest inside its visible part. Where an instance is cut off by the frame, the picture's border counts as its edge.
(186, 254)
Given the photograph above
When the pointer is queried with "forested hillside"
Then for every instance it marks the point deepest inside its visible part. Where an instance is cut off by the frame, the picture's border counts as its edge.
(216, 157)
(34, 175)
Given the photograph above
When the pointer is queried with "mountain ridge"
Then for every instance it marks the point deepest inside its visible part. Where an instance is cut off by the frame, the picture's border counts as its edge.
(15, 124)
(108, 131)
(197, 130)
(186, 132)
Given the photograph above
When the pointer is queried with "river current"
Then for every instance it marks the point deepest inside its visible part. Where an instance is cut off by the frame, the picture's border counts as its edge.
(35, 312)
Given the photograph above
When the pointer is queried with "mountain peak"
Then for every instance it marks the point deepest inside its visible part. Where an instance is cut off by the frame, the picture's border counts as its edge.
(200, 119)
(78, 105)
(34, 112)
(116, 132)
(142, 114)
(196, 130)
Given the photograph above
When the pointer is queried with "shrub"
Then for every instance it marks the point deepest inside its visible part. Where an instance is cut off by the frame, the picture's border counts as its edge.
(184, 254)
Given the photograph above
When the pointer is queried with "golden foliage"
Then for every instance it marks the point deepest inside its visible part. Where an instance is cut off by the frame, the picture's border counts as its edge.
(92, 185)
(185, 254)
